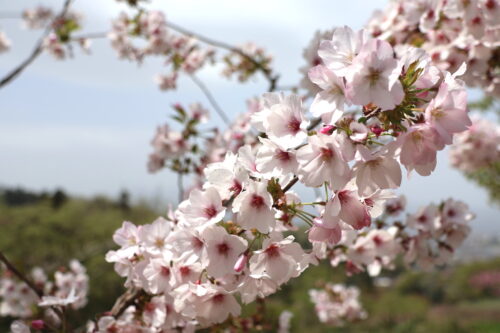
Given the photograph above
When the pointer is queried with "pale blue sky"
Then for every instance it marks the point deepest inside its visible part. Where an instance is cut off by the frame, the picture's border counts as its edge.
(85, 124)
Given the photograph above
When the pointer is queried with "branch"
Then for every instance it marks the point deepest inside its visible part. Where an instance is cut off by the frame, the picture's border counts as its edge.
(20, 275)
(273, 79)
(290, 184)
(37, 50)
(91, 35)
(315, 122)
(211, 99)
(32, 286)
(124, 301)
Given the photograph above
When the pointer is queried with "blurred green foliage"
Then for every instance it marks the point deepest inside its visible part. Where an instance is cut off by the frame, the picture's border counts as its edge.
(36, 232)
(48, 230)
(489, 178)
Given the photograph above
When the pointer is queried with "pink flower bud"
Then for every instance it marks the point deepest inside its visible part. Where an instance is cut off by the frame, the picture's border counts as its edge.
(37, 324)
(376, 130)
(241, 263)
(327, 129)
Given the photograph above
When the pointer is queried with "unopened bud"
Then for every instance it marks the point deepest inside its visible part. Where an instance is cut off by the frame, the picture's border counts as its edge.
(241, 263)
(37, 324)
(327, 129)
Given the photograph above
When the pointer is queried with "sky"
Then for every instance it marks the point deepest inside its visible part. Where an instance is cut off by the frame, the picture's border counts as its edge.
(85, 124)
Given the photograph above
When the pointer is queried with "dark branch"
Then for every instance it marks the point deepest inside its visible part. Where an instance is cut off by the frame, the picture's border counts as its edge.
(124, 301)
(290, 184)
(20, 275)
(315, 122)
(36, 51)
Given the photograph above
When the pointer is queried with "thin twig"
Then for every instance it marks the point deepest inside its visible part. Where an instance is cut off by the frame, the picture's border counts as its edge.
(36, 51)
(91, 35)
(20, 275)
(290, 184)
(211, 99)
(30, 284)
(180, 186)
(315, 122)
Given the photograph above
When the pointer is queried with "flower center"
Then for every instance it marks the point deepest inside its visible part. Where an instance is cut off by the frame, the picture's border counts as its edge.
(165, 271)
(374, 163)
(223, 249)
(294, 125)
(336, 90)
(159, 243)
(283, 156)
(422, 219)
(185, 270)
(476, 20)
(326, 153)
(437, 113)
(343, 196)
(378, 240)
(219, 298)
(417, 137)
(236, 187)
(273, 251)
(373, 77)
(257, 201)
(210, 211)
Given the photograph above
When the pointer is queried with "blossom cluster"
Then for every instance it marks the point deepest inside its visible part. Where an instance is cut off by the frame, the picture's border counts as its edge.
(182, 52)
(68, 288)
(312, 59)
(193, 148)
(226, 241)
(38, 17)
(151, 26)
(373, 108)
(451, 31)
(476, 148)
(171, 145)
(144, 34)
(487, 281)
(34, 18)
(337, 304)
(247, 62)
(56, 43)
(426, 239)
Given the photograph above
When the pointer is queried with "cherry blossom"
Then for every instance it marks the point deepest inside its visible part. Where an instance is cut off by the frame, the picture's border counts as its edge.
(254, 207)
(337, 304)
(284, 120)
(223, 250)
(202, 208)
